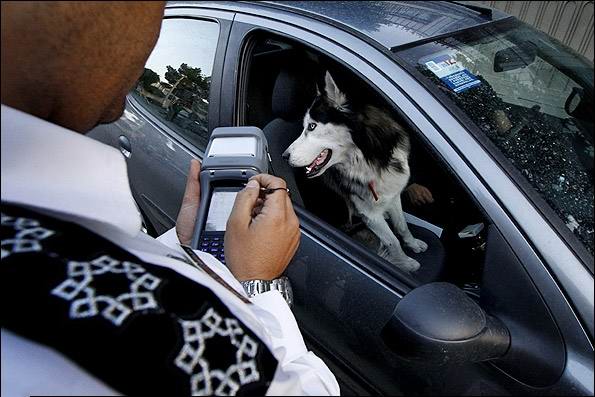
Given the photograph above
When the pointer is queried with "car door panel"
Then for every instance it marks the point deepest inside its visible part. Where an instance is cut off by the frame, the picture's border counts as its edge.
(343, 307)
(161, 187)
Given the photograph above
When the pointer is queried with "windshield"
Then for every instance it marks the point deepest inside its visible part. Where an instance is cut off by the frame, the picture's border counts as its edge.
(533, 98)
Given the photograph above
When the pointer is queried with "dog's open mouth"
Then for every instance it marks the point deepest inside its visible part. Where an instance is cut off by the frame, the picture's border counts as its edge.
(319, 163)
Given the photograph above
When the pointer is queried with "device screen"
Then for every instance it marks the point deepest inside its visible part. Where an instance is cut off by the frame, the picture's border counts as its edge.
(220, 209)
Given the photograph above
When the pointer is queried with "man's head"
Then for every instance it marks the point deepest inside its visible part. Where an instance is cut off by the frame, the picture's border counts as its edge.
(72, 63)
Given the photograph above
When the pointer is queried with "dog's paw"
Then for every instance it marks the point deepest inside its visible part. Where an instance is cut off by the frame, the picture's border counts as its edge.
(408, 264)
(416, 245)
(399, 259)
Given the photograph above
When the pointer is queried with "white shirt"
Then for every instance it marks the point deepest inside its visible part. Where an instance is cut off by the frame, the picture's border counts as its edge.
(75, 178)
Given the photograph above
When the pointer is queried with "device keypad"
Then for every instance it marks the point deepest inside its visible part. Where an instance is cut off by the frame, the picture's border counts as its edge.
(214, 246)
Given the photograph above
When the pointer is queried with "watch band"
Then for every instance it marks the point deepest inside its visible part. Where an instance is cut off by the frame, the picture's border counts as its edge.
(281, 284)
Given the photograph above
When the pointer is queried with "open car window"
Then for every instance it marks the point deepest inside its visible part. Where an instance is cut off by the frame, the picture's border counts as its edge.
(281, 86)
(532, 97)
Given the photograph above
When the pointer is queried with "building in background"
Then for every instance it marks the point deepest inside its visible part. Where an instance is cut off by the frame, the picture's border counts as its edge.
(571, 22)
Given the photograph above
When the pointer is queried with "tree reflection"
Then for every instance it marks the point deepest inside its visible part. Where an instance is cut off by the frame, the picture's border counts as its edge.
(181, 96)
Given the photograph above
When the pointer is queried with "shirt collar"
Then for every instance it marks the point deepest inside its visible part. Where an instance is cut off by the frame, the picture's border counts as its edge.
(53, 168)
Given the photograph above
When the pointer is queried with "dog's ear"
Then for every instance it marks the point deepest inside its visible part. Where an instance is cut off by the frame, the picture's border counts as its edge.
(333, 93)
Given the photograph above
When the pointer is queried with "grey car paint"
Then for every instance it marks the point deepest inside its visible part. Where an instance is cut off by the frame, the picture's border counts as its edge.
(564, 282)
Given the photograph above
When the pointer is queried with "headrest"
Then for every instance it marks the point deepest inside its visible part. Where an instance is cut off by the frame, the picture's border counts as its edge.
(293, 92)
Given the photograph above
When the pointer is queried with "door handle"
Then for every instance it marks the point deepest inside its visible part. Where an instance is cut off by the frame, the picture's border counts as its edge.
(125, 147)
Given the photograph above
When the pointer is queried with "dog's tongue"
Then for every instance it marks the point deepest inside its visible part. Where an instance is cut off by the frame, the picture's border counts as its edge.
(317, 161)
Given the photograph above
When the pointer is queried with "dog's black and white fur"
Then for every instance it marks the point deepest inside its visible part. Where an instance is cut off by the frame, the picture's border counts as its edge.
(363, 153)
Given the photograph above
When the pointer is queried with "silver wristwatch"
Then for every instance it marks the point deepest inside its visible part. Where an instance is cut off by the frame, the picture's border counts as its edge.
(281, 284)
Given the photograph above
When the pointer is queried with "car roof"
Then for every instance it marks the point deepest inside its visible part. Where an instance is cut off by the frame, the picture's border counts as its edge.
(394, 23)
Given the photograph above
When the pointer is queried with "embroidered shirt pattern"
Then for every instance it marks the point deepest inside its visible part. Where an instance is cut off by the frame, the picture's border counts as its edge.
(87, 302)
(219, 354)
(27, 236)
(205, 380)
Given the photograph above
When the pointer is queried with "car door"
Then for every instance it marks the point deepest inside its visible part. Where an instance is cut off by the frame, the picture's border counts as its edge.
(171, 111)
(345, 296)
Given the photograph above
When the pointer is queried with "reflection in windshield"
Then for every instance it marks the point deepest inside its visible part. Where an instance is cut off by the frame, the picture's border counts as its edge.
(533, 98)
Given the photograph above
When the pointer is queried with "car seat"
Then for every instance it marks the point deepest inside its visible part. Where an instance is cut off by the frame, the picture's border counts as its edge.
(293, 92)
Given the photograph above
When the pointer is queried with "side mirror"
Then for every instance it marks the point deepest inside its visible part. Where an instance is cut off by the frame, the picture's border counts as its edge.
(515, 57)
(439, 323)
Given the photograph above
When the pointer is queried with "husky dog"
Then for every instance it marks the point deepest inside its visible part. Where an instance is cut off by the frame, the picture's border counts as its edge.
(363, 153)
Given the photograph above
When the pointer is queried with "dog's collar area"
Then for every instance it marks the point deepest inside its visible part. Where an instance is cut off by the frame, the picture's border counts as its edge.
(372, 188)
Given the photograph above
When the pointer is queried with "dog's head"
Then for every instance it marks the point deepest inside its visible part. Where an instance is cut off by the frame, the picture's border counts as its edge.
(326, 135)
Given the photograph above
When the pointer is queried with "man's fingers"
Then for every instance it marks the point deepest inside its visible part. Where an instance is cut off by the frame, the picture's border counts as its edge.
(269, 181)
(192, 192)
(257, 207)
(289, 206)
(417, 198)
(246, 199)
(274, 202)
(190, 201)
(421, 198)
(428, 195)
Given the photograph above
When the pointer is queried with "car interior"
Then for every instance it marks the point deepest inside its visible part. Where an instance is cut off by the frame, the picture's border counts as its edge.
(279, 83)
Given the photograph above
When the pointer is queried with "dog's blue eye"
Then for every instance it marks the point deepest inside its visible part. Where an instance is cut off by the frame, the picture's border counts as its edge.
(311, 126)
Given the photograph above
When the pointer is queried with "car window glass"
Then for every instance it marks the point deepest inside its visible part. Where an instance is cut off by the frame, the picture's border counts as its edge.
(533, 98)
(176, 80)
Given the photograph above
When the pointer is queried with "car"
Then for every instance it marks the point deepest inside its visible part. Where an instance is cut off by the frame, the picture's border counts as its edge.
(501, 125)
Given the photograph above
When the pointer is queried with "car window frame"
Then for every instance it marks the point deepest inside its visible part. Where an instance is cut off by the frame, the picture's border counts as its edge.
(224, 22)
(521, 182)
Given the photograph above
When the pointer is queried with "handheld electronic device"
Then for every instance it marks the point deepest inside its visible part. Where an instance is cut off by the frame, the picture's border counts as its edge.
(233, 155)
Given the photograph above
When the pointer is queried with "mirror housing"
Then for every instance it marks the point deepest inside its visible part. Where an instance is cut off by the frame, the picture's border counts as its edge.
(515, 57)
(439, 323)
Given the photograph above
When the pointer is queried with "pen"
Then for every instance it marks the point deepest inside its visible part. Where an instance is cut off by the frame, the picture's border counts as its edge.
(264, 191)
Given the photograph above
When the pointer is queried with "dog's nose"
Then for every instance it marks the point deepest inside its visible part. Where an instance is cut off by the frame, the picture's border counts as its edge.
(285, 155)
